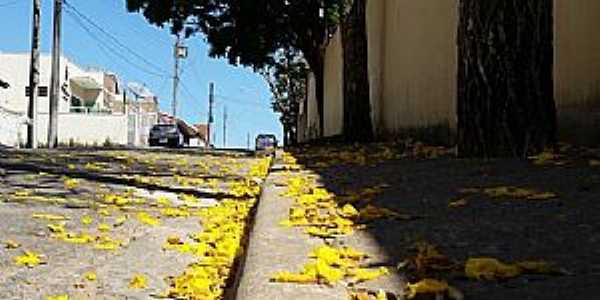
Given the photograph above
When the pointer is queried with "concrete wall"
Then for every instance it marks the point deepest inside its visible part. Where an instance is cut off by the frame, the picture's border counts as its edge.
(334, 86)
(13, 131)
(419, 64)
(376, 21)
(577, 70)
(86, 129)
(413, 67)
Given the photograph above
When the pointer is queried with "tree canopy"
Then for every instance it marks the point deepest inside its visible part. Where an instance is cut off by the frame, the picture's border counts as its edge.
(248, 32)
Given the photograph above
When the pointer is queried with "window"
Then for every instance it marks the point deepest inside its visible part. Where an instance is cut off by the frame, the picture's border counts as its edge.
(42, 91)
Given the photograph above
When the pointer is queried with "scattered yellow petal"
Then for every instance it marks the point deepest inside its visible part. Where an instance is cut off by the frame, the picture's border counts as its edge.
(90, 276)
(490, 269)
(138, 281)
(49, 217)
(28, 259)
(147, 219)
(71, 183)
(60, 297)
(104, 227)
(86, 220)
(426, 286)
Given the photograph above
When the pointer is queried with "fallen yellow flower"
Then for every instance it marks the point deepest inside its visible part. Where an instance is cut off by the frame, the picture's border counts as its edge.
(138, 281)
(491, 268)
(147, 219)
(49, 217)
(29, 259)
(90, 276)
(61, 297)
(426, 286)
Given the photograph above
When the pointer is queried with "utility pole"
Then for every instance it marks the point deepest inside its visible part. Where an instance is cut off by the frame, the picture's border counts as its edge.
(55, 77)
(175, 77)
(224, 126)
(248, 141)
(180, 51)
(211, 102)
(34, 78)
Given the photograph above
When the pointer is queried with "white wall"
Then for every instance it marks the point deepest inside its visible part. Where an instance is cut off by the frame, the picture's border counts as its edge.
(86, 128)
(334, 86)
(577, 70)
(419, 64)
(13, 132)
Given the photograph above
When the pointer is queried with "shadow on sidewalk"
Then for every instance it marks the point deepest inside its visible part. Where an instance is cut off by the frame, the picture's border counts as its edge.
(564, 230)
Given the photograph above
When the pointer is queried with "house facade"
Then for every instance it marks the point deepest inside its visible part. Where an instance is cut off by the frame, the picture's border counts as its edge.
(413, 64)
(93, 108)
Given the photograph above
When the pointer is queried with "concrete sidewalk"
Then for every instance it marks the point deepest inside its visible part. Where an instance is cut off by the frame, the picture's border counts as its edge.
(273, 248)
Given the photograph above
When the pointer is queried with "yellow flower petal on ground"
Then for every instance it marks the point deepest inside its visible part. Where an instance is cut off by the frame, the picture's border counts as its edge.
(71, 183)
(148, 219)
(490, 269)
(49, 217)
(28, 259)
(138, 281)
(60, 297)
(361, 274)
(349, 211)
(536, 267)
(108, 244)
(288, 277)
(90, 276)
(86, 220)
(426, 286)
(104, 227)
(120, 220)
(56, 228)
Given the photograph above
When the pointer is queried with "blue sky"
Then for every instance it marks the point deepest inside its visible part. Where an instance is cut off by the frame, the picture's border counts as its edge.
(243, 92)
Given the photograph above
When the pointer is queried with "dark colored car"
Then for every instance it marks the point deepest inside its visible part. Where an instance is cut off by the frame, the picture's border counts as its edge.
(266, 143)
(166, 135)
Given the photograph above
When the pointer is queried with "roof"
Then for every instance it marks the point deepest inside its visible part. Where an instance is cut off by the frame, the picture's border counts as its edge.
(202, 130)
(86, 83)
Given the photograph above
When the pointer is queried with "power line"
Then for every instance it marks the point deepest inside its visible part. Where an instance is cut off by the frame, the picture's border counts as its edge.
(113, 38)
(105, 47)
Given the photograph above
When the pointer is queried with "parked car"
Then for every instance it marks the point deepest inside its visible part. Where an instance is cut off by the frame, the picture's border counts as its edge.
(167, 135)
(266, 143)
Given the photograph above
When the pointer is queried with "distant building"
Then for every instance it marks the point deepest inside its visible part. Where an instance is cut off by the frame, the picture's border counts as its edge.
(93, 105)
(142, 112)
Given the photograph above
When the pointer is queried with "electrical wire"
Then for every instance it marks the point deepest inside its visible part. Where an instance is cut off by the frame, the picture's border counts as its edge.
(112, 37)
(105, 47)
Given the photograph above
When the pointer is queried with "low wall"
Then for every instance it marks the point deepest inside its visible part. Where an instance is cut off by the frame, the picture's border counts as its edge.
(87, 129)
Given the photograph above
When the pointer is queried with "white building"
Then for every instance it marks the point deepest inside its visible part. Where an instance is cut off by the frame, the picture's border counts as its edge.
(92, 108)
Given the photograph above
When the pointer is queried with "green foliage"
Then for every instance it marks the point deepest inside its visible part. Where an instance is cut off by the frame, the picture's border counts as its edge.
(287, 81)
(248, 32)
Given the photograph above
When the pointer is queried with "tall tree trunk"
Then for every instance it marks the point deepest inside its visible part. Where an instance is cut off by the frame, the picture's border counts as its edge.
(286, 134)
(316, 61)
(505, 78)
(358, 125)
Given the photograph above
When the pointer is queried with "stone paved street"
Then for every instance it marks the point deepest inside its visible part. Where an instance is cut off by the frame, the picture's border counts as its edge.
(97, 219)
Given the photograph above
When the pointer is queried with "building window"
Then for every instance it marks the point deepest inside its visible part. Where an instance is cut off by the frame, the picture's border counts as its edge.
(42, 91)
(77, 105)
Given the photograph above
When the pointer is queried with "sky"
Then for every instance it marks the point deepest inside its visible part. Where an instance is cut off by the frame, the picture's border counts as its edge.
(149, 61)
